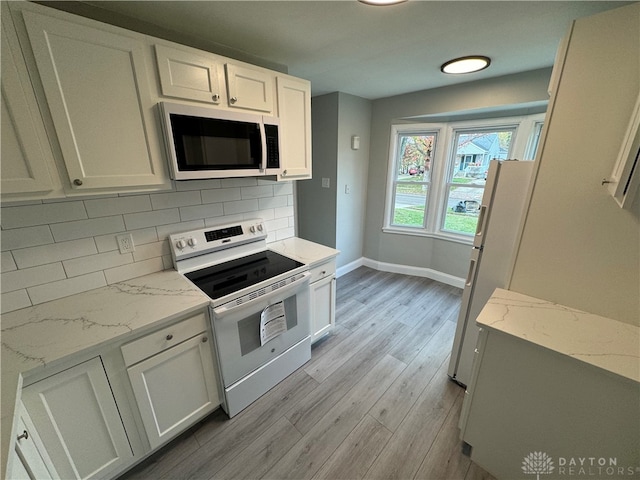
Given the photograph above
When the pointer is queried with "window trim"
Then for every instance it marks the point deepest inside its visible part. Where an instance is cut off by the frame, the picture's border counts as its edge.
(520, 147)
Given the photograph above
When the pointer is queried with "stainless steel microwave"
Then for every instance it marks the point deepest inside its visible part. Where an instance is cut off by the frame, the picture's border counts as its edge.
(212, 143)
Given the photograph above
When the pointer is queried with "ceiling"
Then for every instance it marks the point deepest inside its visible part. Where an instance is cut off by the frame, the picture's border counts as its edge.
(363, 50)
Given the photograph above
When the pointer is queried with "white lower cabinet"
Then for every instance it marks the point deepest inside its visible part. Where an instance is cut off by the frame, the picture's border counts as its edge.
(75, 415)
(30, 458)
(322, 299)
(175, 384)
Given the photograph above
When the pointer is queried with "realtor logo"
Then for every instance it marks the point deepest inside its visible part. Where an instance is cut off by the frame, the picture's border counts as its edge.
(538, 463)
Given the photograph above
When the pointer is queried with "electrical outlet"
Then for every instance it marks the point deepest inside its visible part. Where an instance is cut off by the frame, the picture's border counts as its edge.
(125, 243)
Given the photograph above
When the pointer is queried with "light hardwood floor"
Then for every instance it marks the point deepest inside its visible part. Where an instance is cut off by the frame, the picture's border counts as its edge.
(374, 402)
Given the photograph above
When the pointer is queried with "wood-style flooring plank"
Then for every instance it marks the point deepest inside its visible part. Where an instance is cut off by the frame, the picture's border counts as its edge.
(355, 455)
(394, 405)
(255, 460)
(445, 458)
(406, 449)
(321, 400)
(307, 456)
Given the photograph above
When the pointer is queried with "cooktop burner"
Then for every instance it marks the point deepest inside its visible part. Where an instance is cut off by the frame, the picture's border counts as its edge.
(228, 277)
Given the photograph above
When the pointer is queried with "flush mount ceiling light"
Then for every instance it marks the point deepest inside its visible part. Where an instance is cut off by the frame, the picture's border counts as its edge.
(381, 2)
(468, 64)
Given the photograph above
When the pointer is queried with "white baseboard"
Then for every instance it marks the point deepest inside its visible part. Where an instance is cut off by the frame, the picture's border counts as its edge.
(409, 270)
(349, 267)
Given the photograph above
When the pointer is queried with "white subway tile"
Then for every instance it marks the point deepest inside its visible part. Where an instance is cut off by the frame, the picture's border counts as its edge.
(26, 237)
(167, 262)
(135, 221)
(290, 200)
(183, 186)
(133, 270)
(165, 230)
(277, 224)
(87, 228)
(284, 233)
(106, 243)
(221, 195)
(8, 263)
(30, 277)
(20, 203)
(96, 263)
(256, 192)
(284, 188)
(117, 206)
(42, 214)
(56, 252)
(160, 201)
(208, 210)
(64, 288)
(272, 202)
(263, 214)
(151, 250)
(238, 182)
(213, 222)
(283, 212)
(242, 206)
(14, 301)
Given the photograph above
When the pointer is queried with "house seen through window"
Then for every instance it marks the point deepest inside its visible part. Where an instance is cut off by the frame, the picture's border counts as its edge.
(438, 172)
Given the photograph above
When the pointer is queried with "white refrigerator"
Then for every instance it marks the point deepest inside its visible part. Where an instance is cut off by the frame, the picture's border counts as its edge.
(494, 246)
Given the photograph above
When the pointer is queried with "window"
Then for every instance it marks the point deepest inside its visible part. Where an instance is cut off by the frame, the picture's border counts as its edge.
(437, 172)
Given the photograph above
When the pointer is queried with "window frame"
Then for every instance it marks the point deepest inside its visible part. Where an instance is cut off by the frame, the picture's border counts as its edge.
(522, 144)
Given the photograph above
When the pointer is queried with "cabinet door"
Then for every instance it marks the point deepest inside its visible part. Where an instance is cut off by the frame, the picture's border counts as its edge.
(170, 400)
(77, 419)
(294, 110)
(98, 93)
(25, 153)
(31, 460)
(188, 75)
(323, 307)
(249, 89)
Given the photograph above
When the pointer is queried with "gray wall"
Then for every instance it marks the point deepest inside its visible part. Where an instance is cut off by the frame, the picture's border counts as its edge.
(329, 215)
(488, 97)
(578, 247)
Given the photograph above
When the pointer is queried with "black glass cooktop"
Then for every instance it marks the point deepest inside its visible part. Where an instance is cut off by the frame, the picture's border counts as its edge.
(228, 277)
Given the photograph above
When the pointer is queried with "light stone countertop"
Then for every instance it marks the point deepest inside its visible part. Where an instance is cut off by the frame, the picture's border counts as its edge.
(43, 337)
(304, 251)
(599, 341)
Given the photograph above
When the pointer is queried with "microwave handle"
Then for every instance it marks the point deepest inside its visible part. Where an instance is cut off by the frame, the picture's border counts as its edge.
(263, 141)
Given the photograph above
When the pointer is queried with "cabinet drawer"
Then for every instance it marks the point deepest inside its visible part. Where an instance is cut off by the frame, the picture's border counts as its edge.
(162, 339)
(323, 270)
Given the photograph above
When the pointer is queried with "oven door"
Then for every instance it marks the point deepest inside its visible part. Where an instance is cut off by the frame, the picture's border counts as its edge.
(237, 330)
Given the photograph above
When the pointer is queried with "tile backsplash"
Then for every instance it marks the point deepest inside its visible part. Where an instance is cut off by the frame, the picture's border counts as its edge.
(56, 248)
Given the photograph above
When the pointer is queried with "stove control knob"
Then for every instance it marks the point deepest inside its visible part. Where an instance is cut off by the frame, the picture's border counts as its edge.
(252, 229)
(181, 244)
(192, 242)
(260, 226)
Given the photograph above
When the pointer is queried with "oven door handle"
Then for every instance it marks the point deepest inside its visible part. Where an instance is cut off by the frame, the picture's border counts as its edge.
(232, 306)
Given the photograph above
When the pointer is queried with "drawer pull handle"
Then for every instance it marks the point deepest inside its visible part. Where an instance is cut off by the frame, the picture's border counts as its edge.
(170, 337)
(24, 435)
(204, 339)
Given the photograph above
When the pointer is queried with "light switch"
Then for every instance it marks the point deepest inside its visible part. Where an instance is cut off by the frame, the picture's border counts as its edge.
(347, 189)
(325, 183)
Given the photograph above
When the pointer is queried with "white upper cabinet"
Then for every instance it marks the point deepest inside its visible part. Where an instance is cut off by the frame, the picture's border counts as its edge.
(26, 153)
(249, 88)
(189, 75)
(294, 111)
(98, 93)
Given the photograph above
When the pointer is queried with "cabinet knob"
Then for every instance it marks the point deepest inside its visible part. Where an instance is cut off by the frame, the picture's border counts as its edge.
(284, 173)
(233, 99)
(215, 97)
(324, 272)
(204, 339)
(77, 182)
(24, 435)
(169, 337)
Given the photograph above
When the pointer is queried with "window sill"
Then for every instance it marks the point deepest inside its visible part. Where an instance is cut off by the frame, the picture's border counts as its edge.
(423, 233)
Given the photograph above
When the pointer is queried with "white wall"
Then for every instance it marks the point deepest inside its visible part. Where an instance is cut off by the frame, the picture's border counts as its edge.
(578, 247)
(52, 249)
(482, 98)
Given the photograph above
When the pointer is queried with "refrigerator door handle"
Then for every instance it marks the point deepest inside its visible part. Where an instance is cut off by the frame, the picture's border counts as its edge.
(471, 274)
(480, 228)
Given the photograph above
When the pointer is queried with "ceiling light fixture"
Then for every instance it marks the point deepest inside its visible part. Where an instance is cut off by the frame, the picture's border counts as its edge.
(382, 2)
(468, 64)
